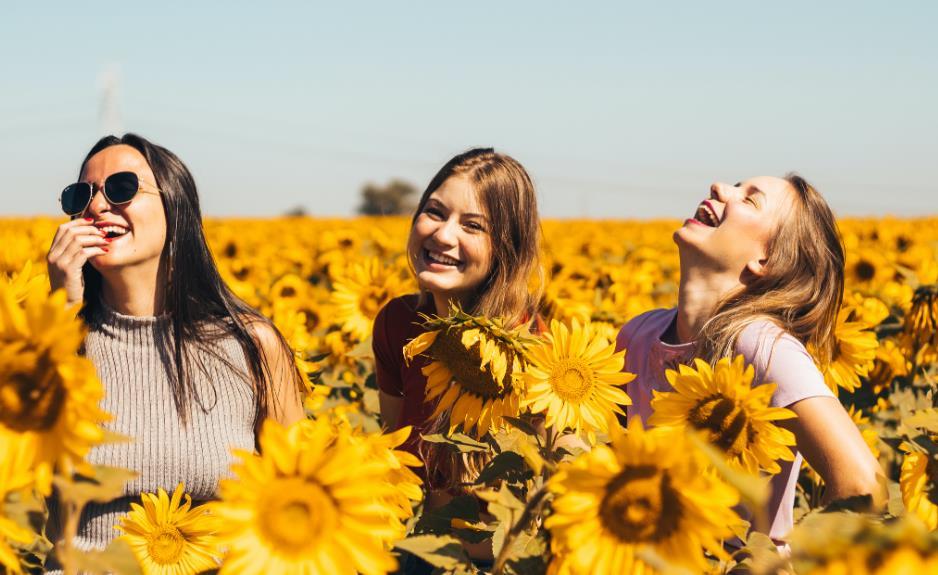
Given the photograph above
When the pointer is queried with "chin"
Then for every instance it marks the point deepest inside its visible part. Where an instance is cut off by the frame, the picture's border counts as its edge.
(101, 263)
(432, 283)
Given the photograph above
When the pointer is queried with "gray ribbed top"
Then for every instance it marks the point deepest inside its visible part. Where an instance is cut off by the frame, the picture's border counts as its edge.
(125, 352)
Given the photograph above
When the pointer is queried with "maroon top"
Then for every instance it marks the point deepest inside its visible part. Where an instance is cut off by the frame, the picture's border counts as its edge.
(395, 325)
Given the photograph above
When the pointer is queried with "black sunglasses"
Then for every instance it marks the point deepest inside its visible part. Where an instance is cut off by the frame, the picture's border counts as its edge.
(119, 189)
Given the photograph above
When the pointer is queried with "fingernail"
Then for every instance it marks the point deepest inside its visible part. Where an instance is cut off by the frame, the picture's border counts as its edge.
(105, 249)
(89, 219)
(109, 240)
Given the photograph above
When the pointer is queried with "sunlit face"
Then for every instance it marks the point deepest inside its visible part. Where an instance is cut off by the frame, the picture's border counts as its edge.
(449, 242)
(138, 228)
(732, 229)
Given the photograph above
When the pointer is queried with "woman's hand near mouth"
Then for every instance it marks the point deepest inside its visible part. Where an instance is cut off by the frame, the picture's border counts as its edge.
(74, 243)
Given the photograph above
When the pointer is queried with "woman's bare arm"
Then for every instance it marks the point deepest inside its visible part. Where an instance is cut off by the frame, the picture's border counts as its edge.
(832, 444)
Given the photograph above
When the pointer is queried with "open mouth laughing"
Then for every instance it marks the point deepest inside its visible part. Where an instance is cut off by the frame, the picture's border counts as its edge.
(112, 230)
(706, 215)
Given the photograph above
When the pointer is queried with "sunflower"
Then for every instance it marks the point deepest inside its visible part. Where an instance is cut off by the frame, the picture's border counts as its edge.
(361, 292)
(16, 459)
(169, 537)
(734, 415)
(312, 502)
(866, 309)
(576, 377)
(292, 324)
(917, 481)
(854, 354)
(407, 483)
(649, 489)
(867, 430)
(28, 281)
(289, 288)
(867, 266)
(475, 372)
(890, 363)
(921, 323)
(857, 544)
(48, 394)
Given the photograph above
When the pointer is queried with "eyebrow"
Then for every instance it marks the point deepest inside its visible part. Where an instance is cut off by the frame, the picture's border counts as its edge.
(436, 201)
(752, 188)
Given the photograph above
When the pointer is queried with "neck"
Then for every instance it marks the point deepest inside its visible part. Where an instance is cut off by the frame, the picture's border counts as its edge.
(135, 291)
(441, 302)
(699, 292)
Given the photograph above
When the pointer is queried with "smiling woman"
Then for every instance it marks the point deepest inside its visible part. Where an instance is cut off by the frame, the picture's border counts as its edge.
(189, 370)
(474, 242)
(762, 276)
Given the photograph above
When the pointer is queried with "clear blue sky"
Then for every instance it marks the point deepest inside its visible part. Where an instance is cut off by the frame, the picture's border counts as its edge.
(616, 109)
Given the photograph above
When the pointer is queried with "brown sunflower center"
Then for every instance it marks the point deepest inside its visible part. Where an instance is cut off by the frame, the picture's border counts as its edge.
(572, 379)
(464, 364)
(865, 270)
(31, 392)
(372, 300)
(725, 421)
(641, 505)
(165, 545)
(312, 319)
(295, 514)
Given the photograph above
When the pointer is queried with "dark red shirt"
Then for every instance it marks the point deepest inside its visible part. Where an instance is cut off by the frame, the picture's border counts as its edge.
(395, 325)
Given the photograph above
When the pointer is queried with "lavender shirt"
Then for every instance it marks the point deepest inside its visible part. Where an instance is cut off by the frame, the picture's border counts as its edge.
(776, 356)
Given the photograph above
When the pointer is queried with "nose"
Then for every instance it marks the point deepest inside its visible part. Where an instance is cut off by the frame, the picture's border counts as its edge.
(98, 204)
(721, 192)
(445, 233)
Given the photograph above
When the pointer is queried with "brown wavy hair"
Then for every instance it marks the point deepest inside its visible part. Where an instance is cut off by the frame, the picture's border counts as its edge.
(802, 289)
(512, 289)
(513, 286)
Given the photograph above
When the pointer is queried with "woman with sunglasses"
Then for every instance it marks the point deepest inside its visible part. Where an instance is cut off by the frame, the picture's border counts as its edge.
(189, 370)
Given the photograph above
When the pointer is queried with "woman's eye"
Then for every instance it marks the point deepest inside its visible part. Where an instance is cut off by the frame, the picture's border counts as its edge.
(434, 213)
(474, 226)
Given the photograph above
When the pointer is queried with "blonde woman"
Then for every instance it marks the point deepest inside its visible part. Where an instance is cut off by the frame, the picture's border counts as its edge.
(762, 275)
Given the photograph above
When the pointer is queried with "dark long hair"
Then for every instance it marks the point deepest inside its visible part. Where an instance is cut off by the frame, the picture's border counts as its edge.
(200, 306)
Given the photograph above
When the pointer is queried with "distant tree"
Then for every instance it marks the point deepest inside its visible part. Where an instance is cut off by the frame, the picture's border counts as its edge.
(396, 198)
(296, 212)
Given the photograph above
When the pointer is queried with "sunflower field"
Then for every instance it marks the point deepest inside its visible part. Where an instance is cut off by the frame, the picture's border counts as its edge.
(553, 484)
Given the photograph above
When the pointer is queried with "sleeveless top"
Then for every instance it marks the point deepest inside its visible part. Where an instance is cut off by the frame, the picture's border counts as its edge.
(126, 352)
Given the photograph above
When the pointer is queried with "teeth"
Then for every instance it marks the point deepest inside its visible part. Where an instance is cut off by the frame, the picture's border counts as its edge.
(117, 230)
(713, 216)
(706, 215)
(442, 259)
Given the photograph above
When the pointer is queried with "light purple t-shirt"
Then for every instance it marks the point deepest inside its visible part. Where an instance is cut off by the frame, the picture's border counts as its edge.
(777, 358)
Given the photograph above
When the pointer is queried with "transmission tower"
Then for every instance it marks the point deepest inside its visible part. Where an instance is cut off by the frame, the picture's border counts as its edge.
(109, 114)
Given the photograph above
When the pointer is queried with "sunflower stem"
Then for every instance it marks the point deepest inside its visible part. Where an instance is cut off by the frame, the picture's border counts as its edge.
(527, 514)
(70, 531)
